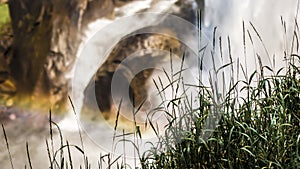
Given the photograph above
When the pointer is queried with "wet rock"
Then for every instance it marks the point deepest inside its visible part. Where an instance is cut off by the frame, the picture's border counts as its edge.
(50, 32)
(140, 50)
(8, 87)
(7, 83)
(3, 75)
(132, 54)
(47, 35)
(96, 9)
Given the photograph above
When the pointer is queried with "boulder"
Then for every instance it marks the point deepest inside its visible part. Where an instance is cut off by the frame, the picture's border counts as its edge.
(47, 34)
(138, 49)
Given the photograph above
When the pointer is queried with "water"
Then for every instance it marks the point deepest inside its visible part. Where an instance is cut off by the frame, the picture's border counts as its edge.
(227, 15)
(266, 18)
(101, 36)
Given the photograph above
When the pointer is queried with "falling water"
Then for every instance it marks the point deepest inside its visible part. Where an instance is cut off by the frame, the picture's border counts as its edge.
(226, 15)
(101, 36)
(265, 16)
(105, 33)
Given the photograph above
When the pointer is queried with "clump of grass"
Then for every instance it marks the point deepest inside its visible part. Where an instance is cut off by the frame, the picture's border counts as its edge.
(4, 13)
(4, 18)
(259, 125)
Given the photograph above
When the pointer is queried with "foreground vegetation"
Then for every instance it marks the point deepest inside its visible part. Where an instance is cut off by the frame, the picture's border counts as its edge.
(4, 18)
(256, 124)
(261, 130)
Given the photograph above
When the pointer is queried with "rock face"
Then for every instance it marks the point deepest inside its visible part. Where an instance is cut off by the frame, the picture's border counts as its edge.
(47, 34)
(46, 37)
(7, 86)
(42, 48)
(141, 50)
(131, 54)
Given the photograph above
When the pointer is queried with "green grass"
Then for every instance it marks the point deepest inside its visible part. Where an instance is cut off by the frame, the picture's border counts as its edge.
(257, 122)
(258, 126)
(4, 14)
(5, 27)
(261, 132)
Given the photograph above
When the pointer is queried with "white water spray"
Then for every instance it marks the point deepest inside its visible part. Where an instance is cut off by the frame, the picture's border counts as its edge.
(87, 64)
(227, 15)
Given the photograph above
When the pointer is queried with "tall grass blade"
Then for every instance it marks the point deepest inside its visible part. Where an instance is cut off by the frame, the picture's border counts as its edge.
(28, 155)
(7, 147)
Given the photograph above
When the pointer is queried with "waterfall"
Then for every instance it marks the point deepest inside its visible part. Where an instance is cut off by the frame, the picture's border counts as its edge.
(275, 37)
(105, 33)
(102, 35)
(226, 15)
